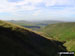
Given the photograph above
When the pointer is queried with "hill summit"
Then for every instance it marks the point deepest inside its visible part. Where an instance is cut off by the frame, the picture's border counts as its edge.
(18, 41)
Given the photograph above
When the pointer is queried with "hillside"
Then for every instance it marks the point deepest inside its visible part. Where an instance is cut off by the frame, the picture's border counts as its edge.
(62, 32)
(18, 41)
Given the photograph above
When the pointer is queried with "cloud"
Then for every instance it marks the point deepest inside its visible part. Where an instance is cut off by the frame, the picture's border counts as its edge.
(50, 2)
(6, 6)
(14, 0)
(59, 2)
(32, 6)
(36, 13)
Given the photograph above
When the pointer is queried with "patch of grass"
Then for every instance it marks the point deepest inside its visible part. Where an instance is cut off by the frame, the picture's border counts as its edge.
(62, 32)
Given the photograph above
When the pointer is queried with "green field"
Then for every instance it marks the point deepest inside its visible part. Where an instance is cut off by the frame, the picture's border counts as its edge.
(62, 32)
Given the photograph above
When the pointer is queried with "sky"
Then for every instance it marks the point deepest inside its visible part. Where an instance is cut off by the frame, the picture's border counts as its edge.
(37, 10)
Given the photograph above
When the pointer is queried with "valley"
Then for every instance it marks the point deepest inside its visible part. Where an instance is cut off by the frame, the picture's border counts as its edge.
(62, 31)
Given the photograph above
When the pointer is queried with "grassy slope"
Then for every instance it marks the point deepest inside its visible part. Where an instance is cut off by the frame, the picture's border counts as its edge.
(18, 41)
(62, 32)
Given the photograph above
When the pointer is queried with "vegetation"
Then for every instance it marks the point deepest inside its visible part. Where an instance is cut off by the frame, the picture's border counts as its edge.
(19, 41)
(34, 25)
(62, 32)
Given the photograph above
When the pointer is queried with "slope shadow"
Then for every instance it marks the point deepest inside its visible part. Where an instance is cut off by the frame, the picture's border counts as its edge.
(21, 42)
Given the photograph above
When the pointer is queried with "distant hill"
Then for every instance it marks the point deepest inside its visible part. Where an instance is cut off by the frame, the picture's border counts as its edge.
(34, 25)
(19, 41)
(62, 32)
(21, 22)
(48, 21)
(43, 22)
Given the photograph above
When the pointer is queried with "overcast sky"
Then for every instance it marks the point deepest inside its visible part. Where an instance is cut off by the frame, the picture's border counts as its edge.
(37, 10)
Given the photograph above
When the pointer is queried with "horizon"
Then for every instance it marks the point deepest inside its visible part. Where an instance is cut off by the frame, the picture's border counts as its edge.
(34, 10)
(41, 20)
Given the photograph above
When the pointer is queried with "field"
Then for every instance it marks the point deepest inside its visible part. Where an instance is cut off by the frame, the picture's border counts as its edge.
(62, 32)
